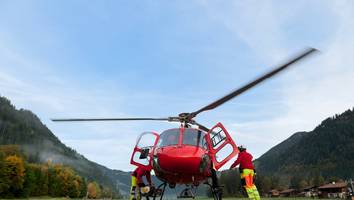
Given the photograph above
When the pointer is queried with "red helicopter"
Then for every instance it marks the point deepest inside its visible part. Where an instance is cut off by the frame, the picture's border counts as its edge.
(191, 154)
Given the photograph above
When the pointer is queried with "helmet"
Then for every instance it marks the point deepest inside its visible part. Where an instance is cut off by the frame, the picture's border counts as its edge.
(241, 148)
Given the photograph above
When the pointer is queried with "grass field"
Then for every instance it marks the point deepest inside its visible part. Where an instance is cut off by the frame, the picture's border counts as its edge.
(201, 198)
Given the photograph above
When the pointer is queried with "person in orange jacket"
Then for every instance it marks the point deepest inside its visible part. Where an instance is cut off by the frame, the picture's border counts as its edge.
(244, 159)
(137, 182)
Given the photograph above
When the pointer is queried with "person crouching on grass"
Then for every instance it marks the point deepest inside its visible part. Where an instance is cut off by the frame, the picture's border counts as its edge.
(138, 183)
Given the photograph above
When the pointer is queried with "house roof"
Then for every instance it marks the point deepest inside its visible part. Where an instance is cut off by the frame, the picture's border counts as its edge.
(309, 187)
(287, 191)
(273, 191)
(333, 185)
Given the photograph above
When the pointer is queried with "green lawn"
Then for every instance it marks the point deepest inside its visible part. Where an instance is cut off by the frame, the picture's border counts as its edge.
(43, 198)
(200, 198)
(279, 198)
(263, 198)
(230, 198)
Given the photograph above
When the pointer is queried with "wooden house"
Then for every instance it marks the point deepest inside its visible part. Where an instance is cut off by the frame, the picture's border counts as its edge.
(310, 191)
(288, 193)
(333, 190)
(273, 193)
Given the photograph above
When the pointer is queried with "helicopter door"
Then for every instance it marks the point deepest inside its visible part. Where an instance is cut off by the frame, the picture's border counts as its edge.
(221, 146)
(144, 149)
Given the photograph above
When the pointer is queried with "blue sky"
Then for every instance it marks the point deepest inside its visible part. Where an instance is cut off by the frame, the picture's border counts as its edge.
(161, 58)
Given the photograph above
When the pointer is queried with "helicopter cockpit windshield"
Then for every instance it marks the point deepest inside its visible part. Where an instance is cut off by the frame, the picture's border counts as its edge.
(194, 137)
(191, 136)
(169, 137)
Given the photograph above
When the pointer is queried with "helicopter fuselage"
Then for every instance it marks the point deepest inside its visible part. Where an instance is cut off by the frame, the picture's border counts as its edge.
(183, 155)
(182, 164)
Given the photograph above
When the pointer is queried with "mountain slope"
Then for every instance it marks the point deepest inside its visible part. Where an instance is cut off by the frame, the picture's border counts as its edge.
(23, 128)
(327, 150)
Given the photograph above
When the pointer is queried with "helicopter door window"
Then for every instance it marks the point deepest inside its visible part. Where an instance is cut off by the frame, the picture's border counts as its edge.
(223, 153)
(140, 158)
(143, 151)
(217, 137)
(222, 147)
(146, 141)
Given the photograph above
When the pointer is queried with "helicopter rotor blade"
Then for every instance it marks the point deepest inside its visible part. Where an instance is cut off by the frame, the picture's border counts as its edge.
(253, 83)
(204, 128)
(110, 119)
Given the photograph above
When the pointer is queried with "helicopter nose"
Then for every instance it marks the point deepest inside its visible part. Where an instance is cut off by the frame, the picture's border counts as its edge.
(175, 159)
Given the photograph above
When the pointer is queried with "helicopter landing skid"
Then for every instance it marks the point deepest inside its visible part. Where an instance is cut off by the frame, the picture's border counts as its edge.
(216, 191)
(188, 192)
(159, 191)
(215, 188)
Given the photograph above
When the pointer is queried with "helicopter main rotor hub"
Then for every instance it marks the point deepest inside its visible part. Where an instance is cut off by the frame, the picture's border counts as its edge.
(186, 118)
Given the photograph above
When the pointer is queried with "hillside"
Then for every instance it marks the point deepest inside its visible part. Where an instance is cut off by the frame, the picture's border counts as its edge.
(328, 151)
(23, 128)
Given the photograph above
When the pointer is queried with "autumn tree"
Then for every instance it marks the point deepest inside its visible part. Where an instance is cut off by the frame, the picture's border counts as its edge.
(4, 179)
(93, 190)
(75, 188)
(15, 172)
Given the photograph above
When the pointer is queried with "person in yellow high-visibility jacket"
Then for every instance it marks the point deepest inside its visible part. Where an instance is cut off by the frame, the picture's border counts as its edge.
(244, 159)
(137, 182)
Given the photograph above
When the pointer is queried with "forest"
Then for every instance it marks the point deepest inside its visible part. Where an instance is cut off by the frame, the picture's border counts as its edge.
(21, 179)
(305, 159)
(40, 151)
(230, 180)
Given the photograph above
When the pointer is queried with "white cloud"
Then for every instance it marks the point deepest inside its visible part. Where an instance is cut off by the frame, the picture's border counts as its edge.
(320, 88)
(107, 152)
